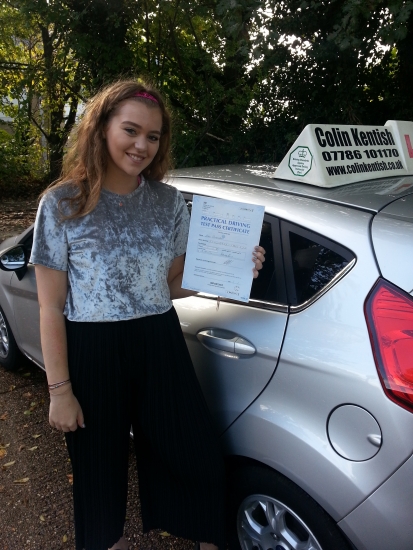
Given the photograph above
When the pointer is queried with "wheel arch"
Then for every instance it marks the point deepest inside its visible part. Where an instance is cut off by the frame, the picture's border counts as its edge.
(242, 468)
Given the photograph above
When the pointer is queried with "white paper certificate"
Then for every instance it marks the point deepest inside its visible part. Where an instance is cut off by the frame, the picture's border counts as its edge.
(221, 240)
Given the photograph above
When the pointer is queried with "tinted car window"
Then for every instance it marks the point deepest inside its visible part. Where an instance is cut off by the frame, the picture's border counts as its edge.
(264, 287)
(312, 262)
(28, 243)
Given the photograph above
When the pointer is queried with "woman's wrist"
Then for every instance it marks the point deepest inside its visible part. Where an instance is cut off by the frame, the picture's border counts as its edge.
(56, 385)
(61, 390)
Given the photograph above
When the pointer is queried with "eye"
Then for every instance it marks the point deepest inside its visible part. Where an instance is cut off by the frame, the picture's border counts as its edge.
(153, 138)
(130, 131)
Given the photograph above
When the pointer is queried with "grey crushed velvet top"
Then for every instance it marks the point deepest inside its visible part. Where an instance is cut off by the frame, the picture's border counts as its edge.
(118, 256)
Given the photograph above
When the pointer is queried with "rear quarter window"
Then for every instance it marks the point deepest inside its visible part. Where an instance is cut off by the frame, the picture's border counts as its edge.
(312, 263)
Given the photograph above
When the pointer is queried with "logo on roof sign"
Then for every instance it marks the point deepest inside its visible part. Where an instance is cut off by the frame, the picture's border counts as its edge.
(300, 161)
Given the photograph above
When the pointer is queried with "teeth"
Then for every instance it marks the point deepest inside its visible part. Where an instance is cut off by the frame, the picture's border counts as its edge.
(135, 157)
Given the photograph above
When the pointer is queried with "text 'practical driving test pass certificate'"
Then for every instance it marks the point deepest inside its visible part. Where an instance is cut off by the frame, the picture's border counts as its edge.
(221, 240)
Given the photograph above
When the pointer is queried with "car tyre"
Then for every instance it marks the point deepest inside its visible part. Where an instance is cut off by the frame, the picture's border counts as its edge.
(270, 512)
(8, 347)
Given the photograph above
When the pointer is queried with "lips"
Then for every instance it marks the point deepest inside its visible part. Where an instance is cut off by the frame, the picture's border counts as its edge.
(136, 158)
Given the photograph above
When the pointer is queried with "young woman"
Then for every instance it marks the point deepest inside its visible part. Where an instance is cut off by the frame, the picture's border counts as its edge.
(109, 248)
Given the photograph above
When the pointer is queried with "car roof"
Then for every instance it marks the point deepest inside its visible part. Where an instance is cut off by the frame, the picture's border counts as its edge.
(372, 195)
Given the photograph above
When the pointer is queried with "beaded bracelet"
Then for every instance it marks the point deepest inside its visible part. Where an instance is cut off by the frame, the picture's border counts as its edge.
(58, 384)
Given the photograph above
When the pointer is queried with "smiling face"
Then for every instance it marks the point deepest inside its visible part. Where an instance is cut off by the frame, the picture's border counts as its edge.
(132, 139)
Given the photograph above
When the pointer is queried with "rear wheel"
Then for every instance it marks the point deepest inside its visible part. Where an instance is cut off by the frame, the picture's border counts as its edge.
(8, 346)
(269, 512)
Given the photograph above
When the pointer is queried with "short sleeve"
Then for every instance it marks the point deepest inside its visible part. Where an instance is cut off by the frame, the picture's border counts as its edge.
(181, 226)
(49, 241)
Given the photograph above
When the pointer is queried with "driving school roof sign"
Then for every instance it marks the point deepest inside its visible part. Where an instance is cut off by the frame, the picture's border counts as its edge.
(329, 155)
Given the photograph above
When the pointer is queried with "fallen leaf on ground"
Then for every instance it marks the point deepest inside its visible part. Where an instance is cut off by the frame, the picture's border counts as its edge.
(42, 518)
(12, 388)
(165, 534)
(70, 478)
(36, 436)
(28, 394)
(26, 374)
(27, 412)
(22, 480)
(64, 539)
(4, 416)
(33, 448)
(21, 447)
(2, 488)
(3, 453)
(5, 446)
(9, 464)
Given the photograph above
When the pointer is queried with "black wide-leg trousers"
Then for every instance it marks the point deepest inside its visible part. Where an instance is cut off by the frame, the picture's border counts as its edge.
(139, 372)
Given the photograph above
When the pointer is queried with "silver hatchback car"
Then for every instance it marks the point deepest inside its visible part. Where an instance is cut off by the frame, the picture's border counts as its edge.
(310, 383)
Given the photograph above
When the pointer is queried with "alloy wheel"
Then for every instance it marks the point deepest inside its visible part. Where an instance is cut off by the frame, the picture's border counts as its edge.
(4, 338)
(265, 523)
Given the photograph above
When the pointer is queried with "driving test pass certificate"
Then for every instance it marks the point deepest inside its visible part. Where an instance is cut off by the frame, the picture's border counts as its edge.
(222, 236)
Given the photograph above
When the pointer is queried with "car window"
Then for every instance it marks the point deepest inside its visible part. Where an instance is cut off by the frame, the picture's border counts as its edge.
(311, 262)
(265, 286)
(28, 243)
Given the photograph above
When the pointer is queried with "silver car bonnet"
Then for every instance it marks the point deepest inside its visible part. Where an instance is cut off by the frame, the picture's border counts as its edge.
(370, 195)
(392, 234)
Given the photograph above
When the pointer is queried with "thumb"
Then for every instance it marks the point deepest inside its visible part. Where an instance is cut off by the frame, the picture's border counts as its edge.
(80, 419)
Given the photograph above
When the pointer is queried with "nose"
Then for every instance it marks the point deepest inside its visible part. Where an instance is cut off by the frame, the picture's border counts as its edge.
(140, 143)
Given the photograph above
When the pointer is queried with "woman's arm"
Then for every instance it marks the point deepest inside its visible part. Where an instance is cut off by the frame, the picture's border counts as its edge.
(175, 274)
(65, 412)
(177, 269)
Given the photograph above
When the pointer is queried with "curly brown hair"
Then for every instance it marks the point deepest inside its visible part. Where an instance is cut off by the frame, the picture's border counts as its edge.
(85, 163)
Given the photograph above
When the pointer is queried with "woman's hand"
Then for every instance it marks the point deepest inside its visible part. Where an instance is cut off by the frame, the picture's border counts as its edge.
(65, 413)
(258, 257)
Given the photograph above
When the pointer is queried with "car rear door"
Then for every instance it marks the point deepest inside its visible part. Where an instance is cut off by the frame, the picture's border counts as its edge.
(235, 346)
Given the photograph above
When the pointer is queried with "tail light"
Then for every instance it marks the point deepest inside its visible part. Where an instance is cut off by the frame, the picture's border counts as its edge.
(389, 315)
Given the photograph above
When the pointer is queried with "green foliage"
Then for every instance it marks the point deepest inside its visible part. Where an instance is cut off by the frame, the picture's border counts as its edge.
(14, 163)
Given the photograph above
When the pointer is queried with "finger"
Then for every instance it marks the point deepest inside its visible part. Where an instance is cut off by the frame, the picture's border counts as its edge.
(259, 249)
(258, 263)
(259, 256)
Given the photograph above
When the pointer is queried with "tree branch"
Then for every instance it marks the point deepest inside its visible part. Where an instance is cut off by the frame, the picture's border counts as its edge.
(40, 128)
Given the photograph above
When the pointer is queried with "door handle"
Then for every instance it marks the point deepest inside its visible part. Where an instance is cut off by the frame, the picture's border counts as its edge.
(225, 341)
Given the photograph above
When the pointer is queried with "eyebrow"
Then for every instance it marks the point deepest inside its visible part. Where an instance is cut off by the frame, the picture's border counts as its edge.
(139, 126)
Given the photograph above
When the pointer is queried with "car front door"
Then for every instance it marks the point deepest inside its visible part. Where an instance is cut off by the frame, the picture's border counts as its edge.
(23, 293)
(235, 346)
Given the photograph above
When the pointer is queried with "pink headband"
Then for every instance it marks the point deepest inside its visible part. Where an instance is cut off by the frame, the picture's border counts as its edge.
(146, 96)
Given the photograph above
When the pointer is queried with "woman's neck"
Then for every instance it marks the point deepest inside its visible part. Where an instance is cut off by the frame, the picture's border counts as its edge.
(124, 187)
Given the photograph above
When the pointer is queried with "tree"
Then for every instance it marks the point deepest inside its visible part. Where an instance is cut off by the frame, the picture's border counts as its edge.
(54, 60)
(198, 55)
(243, 77)
(339, 61)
